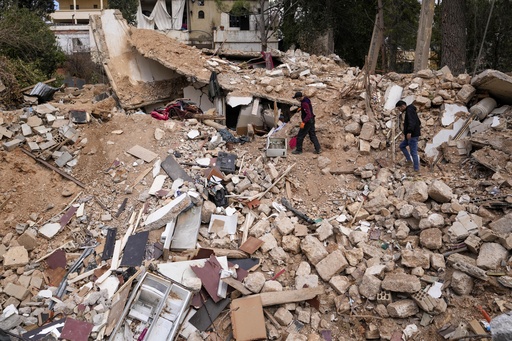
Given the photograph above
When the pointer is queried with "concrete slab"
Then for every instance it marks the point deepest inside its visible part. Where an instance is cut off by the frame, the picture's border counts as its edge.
(157, 184)
(142, 153)
(498, 84)
(187, 229)
(165, 214)
(16, 256)
(50, 230)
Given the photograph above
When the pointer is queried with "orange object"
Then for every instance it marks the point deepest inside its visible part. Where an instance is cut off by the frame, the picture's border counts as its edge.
(484, 313)
(302, 124)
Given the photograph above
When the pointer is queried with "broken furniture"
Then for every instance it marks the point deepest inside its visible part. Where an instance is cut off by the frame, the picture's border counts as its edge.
(154, 312)
(276, 146)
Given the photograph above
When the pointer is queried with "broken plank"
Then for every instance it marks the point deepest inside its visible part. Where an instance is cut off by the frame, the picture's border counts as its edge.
(290, 296)
(237, 285)
(141, 176)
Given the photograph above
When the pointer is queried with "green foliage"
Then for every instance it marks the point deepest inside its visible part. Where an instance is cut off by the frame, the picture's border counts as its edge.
(241, 8)
(80, 65)
(128, 9)
(40, 7)
(24, 37)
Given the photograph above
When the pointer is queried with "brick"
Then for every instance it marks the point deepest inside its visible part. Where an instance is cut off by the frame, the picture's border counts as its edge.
(384, 297)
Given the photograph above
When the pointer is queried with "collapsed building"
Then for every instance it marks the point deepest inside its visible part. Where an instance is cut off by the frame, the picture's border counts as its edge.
(184, 231)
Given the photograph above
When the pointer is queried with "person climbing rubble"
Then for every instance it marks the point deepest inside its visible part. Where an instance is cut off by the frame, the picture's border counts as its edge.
(307, 126)
(412, 127)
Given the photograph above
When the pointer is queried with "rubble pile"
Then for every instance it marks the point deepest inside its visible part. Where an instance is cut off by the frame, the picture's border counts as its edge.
(348, 245)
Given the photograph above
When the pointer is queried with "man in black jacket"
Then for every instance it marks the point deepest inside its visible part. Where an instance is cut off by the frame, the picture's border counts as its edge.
(307, 126)
(412, 131)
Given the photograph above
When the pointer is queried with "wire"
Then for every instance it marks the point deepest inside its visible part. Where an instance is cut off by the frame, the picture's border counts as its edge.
(483, 39)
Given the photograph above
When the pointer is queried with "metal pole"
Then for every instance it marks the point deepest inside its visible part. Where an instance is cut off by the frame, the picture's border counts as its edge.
(483, 39)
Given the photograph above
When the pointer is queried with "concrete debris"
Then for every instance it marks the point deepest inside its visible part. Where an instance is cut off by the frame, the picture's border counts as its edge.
(373, 240)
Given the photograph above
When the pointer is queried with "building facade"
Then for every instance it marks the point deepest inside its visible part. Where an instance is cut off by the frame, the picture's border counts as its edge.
(70, 23)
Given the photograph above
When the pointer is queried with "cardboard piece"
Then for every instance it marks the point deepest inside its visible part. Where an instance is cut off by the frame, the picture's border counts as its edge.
(248, 319)
(135, 249)
(210, 277)
(142, 153)
(57, 259)
(76, 330)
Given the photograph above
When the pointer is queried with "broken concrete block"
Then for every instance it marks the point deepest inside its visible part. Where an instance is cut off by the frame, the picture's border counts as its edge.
(269, 242)
(437, 261)
(466, 93)
(473, 243)
(415, 258)
(491, 255)
(354, 256)
(260, 228)
(165, 214)
(501, 327)
(63, 159)
(284, 224)
(416, 191)
(367, 131)
(34, 121)
(283, 316)
(384, 297)
(313, 249)
(431, 238)
(461, 284)
(26, 130)
(428, 303)
(332, 264)
(254, 282)
(402, 309)
(11, 145)
(502, 225)
(370, 287)
(17, 291)
(28, 239)
(306, 281)
(272, 286)
(291, 244)
(16, 256)
(440, 192)
(400, 282)
(353, 128)
(340, 284)
(325, 230)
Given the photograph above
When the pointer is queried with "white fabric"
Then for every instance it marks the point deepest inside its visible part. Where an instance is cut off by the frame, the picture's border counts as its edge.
(161, 17)
(178, 6)
(144, 21)
(163, 20)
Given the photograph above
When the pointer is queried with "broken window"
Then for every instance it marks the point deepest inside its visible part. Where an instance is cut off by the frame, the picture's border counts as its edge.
(95, 6)
(239, 21)
(71, 7)
(200, 15)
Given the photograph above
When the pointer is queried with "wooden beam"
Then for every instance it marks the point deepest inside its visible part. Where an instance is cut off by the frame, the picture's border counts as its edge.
(291, 296)
(237, 285)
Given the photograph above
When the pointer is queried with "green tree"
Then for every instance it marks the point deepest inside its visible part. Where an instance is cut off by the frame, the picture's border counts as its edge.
(128, 9)
(25, 37)
(41, 7)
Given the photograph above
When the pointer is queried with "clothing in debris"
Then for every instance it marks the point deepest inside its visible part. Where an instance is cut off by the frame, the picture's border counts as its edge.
(412, 132)
(308, 124)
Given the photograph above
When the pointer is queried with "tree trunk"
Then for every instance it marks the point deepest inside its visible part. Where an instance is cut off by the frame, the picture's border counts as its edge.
(424, 35)
(262, 27)
(453, 35)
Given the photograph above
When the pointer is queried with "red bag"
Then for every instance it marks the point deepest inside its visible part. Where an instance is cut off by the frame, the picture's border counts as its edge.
(293, 142)
(163, 116)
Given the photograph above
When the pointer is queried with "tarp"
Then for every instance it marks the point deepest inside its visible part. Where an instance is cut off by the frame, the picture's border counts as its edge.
(161, 17)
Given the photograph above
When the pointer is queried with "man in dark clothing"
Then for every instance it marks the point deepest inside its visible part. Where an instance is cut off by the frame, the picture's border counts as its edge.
(412, 128)
(307, 126)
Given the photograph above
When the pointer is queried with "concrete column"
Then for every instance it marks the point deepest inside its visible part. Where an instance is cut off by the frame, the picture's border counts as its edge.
(101, 4)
